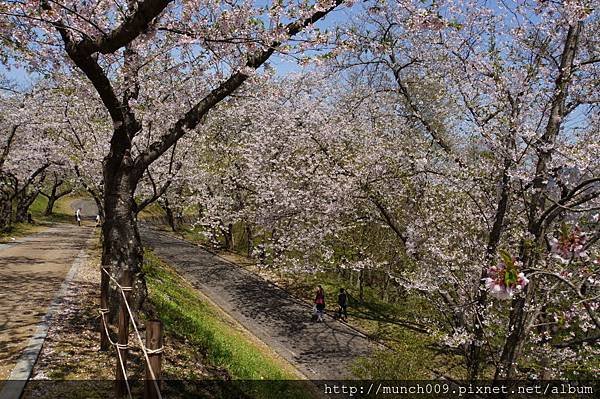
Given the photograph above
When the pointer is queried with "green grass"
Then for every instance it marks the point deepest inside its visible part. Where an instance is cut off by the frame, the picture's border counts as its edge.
(62, 211)
(17, 230)
(394, 324)
(152, 210)
(185, 313)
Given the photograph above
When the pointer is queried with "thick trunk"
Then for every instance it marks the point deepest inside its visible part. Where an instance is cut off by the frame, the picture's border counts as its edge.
(24, 201)
(122, 245)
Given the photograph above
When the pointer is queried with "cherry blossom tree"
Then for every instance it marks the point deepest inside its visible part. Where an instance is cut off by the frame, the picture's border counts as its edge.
(469, 136)
(27, 154)
(159, 67)
(57, 187)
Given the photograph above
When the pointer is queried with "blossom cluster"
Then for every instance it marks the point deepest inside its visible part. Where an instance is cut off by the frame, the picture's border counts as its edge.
(505, 279)
(570, 245)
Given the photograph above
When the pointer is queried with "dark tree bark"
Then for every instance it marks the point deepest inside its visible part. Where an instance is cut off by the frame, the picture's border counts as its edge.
(5, 204)
(24, 195)
(170, 215)
(24, 201)
(249, 239)
(228, 235)
(54, 194)
(122, 246)
(520, 316)
(361, 283)
(7, 183)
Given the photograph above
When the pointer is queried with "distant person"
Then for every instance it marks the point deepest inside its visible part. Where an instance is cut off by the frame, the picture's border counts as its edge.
(343, 304)
(320, 303)
(29, 218)
(78, 216)
(98, 221)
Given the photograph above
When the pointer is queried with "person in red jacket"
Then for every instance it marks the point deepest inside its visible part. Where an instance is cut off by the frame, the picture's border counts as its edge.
(320, 303)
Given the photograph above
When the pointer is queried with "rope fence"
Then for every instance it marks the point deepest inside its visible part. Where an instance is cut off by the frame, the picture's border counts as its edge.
(152, 354)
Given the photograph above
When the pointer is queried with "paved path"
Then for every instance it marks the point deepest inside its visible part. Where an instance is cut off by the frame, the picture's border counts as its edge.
(32, 271)
(318, 350)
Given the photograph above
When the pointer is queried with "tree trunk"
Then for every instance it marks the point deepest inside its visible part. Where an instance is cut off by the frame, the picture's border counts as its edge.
(249, 240)
(24, 201)
(474, 355)
(170, 216)
(5, 202)
(122, 249)
(5, 212)
(231, 237)
(384, 287)
(228, 234)
(50, 205)
(361, 283)
(55, 194)
(523, 308)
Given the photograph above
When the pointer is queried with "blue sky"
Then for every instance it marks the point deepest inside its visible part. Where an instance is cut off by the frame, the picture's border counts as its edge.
(284, 65)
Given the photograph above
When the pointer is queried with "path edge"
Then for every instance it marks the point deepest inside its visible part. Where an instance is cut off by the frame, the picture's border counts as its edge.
(15, 385)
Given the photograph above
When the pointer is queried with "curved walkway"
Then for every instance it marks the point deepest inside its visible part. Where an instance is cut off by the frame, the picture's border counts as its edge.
(319, 350)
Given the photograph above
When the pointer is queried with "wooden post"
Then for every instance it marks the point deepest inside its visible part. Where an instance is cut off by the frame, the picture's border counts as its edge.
(104, 283)
(126, 282)
(154, 340)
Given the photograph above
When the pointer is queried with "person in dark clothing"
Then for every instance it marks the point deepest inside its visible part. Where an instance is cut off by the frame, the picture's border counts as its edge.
(343, 305)
(320, 303)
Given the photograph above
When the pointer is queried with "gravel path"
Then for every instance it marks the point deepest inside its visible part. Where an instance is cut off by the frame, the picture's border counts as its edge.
(318, 350)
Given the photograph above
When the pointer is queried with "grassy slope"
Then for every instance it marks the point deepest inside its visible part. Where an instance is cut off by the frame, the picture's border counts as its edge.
(223, 341)
(152, 210)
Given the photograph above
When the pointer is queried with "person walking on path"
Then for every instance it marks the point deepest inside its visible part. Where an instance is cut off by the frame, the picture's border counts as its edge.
(320, 303)
(98, 220)
(78, 216)
(343, 304)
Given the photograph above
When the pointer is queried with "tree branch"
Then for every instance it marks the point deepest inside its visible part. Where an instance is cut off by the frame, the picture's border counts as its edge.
(125, 33)
(193, 117)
